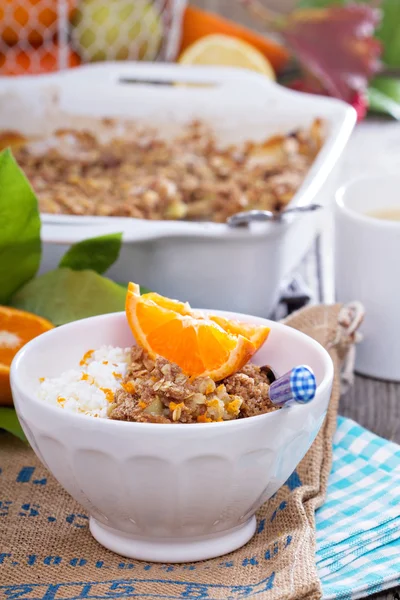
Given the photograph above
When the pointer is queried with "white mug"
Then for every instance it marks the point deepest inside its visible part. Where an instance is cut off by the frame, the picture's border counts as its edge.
(367, 269)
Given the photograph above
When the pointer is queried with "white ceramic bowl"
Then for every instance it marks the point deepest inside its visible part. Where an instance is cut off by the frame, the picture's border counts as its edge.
(158, 492)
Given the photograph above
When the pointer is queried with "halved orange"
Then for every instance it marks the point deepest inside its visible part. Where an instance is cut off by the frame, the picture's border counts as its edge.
(200, 346)
(17, 327)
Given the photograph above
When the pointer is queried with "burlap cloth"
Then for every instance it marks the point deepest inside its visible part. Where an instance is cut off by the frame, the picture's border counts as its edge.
(48, 553)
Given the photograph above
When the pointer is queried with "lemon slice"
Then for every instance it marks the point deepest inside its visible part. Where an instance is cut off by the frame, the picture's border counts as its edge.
(226, 51)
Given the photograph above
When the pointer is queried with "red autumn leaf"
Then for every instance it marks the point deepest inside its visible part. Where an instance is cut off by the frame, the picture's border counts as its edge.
(334, 46)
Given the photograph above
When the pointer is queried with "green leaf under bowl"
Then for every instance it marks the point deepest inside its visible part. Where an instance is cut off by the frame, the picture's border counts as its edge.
(98, 253)
(64, 295)
(9, 422)
(20, 246)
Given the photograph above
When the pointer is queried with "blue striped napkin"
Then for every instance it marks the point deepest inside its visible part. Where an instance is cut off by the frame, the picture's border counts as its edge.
(358, 527)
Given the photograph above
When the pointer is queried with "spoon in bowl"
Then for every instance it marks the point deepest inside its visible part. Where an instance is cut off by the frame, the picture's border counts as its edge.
(297, 386)
(247, 216)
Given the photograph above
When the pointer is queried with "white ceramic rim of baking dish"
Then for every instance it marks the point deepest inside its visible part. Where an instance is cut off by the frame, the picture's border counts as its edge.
(69, 228)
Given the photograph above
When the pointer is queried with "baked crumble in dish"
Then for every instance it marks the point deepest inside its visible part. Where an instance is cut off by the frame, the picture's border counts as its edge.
(140, 174)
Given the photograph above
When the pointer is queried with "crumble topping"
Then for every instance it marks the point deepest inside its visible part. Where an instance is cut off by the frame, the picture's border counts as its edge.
(159, 392)
(142, 175)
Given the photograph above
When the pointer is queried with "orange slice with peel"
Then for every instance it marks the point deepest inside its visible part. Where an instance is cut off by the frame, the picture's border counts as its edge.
(200, 346)
(17, 327)
(256, 334)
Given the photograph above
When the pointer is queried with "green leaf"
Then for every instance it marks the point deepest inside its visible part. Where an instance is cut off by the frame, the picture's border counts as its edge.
(20, 247)
(63, 295)
(328, 3)
(389, 32)
(390, 86)
(320, 3)
(384, 96)
(9, 422)
(144, 290)
(98, 253)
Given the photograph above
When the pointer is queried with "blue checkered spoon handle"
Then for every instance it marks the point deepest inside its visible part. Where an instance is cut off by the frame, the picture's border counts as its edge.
(297, 386)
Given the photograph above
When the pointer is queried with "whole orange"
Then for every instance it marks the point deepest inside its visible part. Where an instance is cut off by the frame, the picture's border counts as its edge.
(30, 21)
(34, 61)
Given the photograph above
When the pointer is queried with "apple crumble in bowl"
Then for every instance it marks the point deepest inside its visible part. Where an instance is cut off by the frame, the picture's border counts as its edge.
(210, 380)
(127, 385)
(159, 392)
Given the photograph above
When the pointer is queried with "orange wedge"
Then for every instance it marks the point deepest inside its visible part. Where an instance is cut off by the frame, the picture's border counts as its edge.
(200, 346)
(256, 334)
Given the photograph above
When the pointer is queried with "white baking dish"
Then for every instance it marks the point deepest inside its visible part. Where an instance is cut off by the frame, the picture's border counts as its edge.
(206, 263)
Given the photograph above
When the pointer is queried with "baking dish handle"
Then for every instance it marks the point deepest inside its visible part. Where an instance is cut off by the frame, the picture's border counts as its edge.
(122, 74)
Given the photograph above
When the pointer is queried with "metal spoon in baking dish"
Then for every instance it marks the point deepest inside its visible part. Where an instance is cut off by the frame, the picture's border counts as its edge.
(247, 216)
(297, 386)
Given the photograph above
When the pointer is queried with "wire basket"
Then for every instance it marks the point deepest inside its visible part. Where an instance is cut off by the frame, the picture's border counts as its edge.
(39, 36)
